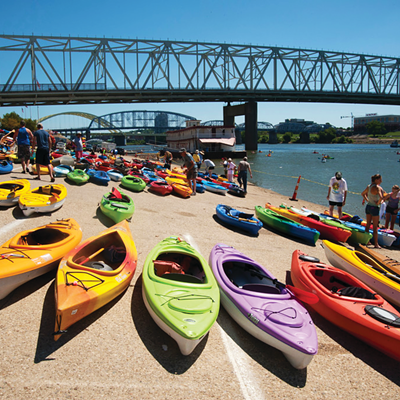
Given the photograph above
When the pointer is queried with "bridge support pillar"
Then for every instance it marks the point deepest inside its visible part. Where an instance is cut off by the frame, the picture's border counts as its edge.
(120, 140)
(249, 110)
(272, 138)
(87, 134)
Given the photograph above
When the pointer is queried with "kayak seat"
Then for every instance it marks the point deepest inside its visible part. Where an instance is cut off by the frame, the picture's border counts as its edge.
(163, 268)
(45, 236)
(99, 265)
(261, 288)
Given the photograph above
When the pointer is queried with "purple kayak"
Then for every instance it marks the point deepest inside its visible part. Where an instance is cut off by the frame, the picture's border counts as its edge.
(262, 306)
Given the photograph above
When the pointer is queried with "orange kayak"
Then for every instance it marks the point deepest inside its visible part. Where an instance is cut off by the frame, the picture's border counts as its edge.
(93, 274)
(348, 303)
(182, 190)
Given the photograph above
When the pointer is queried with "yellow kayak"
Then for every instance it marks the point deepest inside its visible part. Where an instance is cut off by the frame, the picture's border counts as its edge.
(43, 170)
(93, 274)
(376, 276)
(171, 180)
(35, 252)
(43, 199)
(10, 191)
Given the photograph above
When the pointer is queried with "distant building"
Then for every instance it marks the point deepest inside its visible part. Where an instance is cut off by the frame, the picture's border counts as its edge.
(198, 137)
(293, 125)
(392, 122)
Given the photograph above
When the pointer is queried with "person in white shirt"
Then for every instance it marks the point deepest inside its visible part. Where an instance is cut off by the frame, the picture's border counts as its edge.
(337, 193)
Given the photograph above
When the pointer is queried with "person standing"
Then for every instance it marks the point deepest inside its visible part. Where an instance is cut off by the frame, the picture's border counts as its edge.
(168, 159)
(224, 163)
(42, 140)
(24, 138)
(209, 166)
(191, 169)
(197, 159)
(78, 146)
(392, 207)
(373, 194)
(337, 193)
(243, 167)
(231, 169)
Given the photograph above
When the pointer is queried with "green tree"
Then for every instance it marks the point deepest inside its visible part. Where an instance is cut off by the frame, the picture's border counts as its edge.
(326, 136)
(287, 137)
(264, 138)
(11, 121)
(375, 128)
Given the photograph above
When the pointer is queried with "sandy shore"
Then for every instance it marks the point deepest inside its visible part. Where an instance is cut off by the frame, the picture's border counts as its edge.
(120, 352)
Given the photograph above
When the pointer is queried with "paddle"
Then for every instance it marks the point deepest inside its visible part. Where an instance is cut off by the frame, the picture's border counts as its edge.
(387, 274)
(90, 257)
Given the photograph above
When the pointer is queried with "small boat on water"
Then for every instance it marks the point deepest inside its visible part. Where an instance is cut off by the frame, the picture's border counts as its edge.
(348, 303)
(395, 143)
(180, 292)
(43, 199)
(34, 252)
(93, 274)
(262, 306)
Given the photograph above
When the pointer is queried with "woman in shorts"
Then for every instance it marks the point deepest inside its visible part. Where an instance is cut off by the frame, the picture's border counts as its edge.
(392, 207)
(373, 194)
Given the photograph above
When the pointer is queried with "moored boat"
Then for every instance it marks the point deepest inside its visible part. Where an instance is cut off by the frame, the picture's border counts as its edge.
(34, 252)
(93, 274)
(180, 292)
(262, 306)
(348, 303)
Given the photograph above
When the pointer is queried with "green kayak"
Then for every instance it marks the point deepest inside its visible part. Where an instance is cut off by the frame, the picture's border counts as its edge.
(78, 176)
(117, 206)
(133, 183)
(180, 292)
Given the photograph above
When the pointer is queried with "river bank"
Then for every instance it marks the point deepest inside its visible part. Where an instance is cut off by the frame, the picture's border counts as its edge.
(120, 352)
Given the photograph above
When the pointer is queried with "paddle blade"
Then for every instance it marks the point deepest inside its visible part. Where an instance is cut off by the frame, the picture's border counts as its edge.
(302, 295)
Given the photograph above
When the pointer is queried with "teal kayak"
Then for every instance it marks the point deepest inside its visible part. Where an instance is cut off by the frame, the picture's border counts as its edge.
(180, 292)
(117, 206)
(286, 226)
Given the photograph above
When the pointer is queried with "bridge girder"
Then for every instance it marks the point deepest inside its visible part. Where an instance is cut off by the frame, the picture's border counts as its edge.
(39, 72)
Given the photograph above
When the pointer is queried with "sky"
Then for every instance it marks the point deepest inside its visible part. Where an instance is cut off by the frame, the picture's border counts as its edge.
(353, 26)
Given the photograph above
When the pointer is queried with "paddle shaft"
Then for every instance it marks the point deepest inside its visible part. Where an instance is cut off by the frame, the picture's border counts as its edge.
(91, 256)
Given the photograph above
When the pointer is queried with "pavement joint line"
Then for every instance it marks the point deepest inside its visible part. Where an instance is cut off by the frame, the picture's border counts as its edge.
(11, 226)
(241, 371)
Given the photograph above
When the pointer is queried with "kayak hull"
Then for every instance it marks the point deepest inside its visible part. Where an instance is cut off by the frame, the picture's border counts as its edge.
(346, 312)
(251, 296)
(237, 219)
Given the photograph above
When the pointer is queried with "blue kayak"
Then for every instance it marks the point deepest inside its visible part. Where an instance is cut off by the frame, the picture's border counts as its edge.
(98, 177)
(6, 167)
(238, 219)
(213, 187)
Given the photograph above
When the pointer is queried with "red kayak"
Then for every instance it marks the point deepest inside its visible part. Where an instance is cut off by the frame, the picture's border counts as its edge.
(160, 187)
(348, 303)
(329, 232)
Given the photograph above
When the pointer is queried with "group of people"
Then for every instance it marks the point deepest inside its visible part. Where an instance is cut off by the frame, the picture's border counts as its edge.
(192, 163)
(27, 142)
(373, 196)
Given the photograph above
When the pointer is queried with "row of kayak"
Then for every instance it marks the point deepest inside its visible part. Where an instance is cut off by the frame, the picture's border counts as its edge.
(182, 292)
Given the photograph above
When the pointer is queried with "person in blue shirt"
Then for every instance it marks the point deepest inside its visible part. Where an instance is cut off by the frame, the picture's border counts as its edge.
(24, 139)
(42, 140)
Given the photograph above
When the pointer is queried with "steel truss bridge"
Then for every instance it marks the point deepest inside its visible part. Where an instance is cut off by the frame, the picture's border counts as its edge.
(47, 70)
